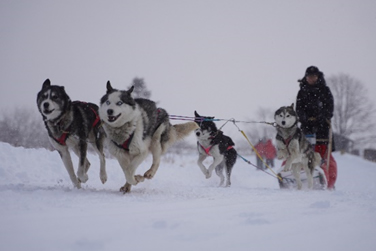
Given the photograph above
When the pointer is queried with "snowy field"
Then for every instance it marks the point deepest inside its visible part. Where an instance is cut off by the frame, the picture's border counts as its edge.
(179, 209)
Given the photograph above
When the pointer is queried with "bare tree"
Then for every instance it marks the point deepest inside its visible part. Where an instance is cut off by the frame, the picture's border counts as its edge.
(353, 112)
(140, 89)
(23, 127)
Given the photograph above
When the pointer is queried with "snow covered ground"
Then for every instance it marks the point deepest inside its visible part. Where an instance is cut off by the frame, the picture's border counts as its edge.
(179, 209)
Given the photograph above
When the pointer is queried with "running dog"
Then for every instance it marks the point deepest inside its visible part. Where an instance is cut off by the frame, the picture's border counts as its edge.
(71, 125)
(212, 142)
(134, 128)
(293, 147)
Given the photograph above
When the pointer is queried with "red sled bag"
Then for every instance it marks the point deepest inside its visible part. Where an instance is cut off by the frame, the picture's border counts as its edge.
(331, 171)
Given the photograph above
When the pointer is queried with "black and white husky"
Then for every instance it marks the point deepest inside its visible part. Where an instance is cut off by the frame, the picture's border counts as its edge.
(212, 142)
(134, 128)
(293, 147)
(71, 125)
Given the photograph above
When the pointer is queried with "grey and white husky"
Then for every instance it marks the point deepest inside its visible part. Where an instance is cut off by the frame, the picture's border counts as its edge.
(135, 128)
(71, 125)
(293, 147)
(212, 142)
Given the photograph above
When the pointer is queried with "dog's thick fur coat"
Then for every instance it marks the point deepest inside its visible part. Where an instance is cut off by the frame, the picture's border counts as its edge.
(135, 128)
(293, 147)
(71, 125)
(212, 142)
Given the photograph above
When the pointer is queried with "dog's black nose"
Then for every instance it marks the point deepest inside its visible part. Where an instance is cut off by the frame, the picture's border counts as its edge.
(110, 111)
(283, 122)
(46, 105)
(197, 134)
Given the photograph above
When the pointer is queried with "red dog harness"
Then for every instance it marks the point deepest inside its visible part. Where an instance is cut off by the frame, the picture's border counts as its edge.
(63, 138)
(126, 143)
(207, 150)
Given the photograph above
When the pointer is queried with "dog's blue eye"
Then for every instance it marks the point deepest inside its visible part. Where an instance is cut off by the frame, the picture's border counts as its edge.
(119, 103)
(108, 102)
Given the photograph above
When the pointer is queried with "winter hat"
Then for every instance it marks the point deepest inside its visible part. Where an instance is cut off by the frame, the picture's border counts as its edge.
(312, 70)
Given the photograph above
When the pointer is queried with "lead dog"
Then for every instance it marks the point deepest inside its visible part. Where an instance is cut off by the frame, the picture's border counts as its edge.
(71, 125)
(293, 147)
(212, 142)
(135, 128)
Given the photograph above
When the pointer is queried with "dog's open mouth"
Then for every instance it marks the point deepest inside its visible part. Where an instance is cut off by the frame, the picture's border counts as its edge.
(113, 118)
(48, 111)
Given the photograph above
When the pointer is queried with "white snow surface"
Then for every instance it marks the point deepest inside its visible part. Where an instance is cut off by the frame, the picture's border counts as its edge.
(179, 209)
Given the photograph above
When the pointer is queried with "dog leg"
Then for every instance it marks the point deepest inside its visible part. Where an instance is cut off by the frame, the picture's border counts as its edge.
(219, 172)
(83, 163)
(156, 151)
(216, 161)
(98, 147)
(228, 170)
(296, 172)
(66, 158)
(230, 160)
(129, 169)
(201, 159)
(295, 156)
(282, 152)
(309, 175)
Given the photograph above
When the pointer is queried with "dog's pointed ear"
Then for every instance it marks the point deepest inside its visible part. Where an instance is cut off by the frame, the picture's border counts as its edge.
(130, 90)
(292, 106)
(196, 114)
(109, 87)
(46, 84)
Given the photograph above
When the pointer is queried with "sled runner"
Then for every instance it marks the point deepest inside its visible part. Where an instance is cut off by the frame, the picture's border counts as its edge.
(288, 181)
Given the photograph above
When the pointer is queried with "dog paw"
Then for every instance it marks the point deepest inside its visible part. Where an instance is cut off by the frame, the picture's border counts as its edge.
(83, 178)
(286, 169)
(77, 184)
(103, 177)
(134, 151)
(126, 188)
(208, 174)
(139, 178)
(149, 174)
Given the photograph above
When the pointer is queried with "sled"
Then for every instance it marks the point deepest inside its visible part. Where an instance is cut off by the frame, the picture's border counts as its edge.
(288, 181)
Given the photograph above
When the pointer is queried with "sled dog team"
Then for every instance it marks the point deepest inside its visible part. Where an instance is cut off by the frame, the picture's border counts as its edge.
(135, 127)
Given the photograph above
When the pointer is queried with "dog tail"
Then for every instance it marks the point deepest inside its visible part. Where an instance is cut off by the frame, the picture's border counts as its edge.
(180, 131)
(174, 133)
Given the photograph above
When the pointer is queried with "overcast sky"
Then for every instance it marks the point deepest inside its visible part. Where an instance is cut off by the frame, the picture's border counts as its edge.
(221, 58)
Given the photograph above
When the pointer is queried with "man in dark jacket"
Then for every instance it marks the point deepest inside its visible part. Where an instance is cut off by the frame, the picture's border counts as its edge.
(314, 106)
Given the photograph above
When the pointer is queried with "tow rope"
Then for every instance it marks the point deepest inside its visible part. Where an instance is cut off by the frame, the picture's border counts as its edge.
(257, 153)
